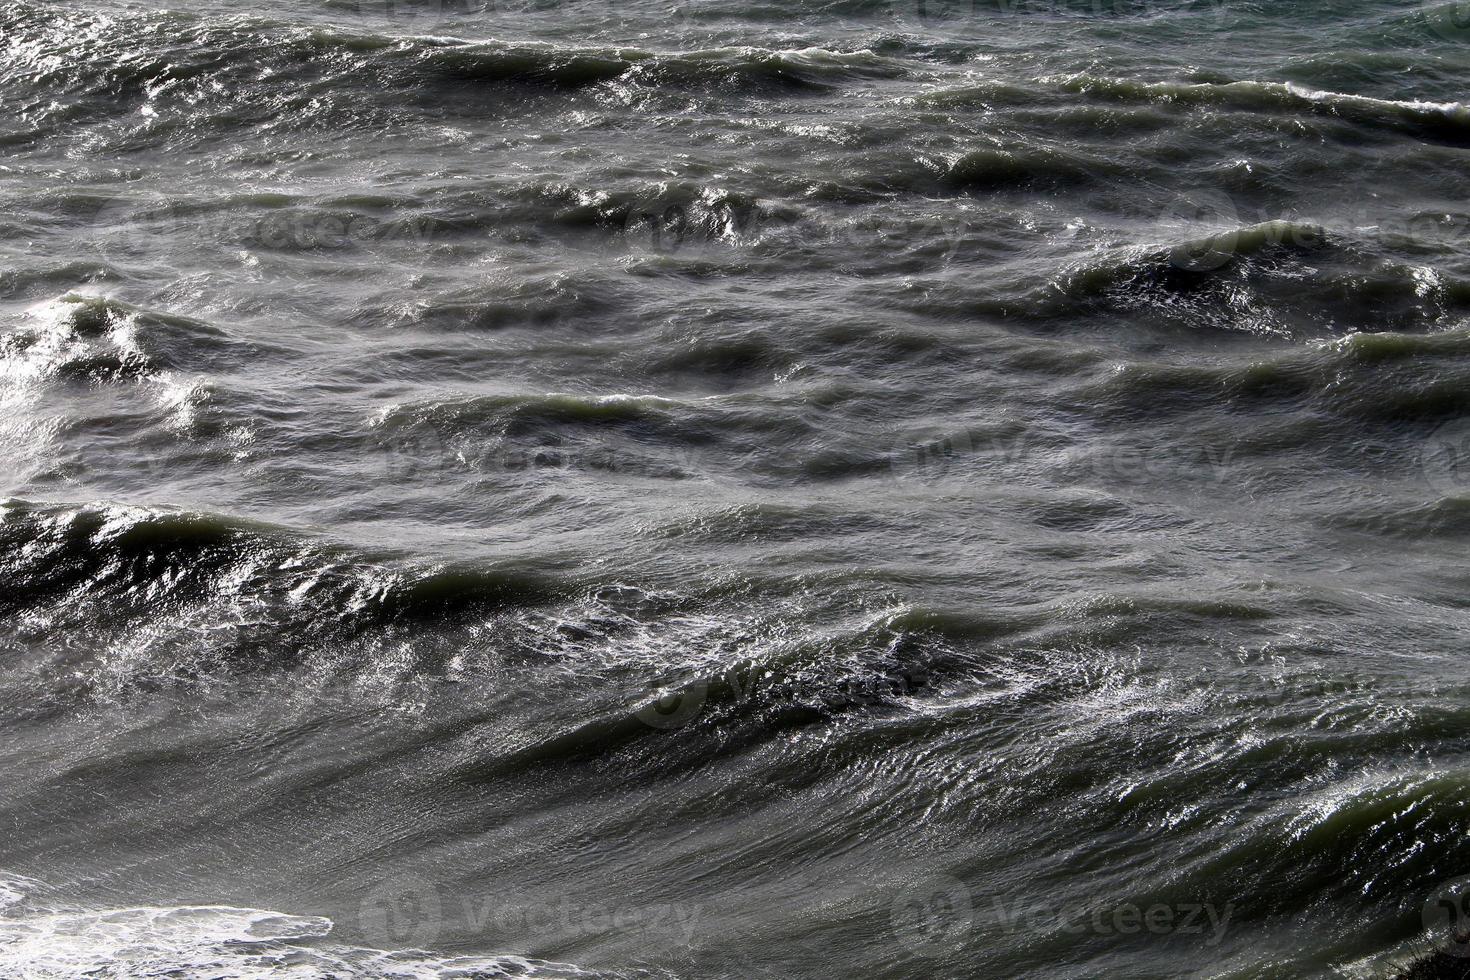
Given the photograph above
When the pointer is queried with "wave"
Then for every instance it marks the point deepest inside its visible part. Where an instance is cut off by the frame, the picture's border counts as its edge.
(133, 557)
(1287, 278)
(168, 597)
(1447, 518)
(640, 435)
(148, 600)
(742, 67)
(995, 167)
(273, 66)
(97, 340)
(512, 412)
(661, 217)
(1443, 121)
(743, 683)
(172, 597)
(17, 283)
(681, 209)
(1395, 379)
(1378, 835)
(559, 299)
(1190, 264)
(86, 339)
(752, 353)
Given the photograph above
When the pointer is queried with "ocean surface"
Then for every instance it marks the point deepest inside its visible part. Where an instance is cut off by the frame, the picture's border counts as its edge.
(728, 489)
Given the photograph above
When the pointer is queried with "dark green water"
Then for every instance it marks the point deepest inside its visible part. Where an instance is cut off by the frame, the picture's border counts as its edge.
(723, 489)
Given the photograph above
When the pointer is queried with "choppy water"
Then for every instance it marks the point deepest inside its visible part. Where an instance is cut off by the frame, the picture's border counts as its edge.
(877, 488)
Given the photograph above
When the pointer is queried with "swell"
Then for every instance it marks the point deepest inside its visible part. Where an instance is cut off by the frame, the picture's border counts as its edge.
(739, 67)
(1376, 836)
(167, 595)
(1284, 278)
(745, 684)
(1447, 122)
(278, 66)
(161, 597)
(139, 556)
(995, 168)
(172, 594)
(53, 277)
(760, 687)
(555, 299)
(644, 435)
(1360, 379)
(97, 340)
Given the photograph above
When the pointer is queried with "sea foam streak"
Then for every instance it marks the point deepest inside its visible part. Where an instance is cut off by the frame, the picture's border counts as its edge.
(42, 940)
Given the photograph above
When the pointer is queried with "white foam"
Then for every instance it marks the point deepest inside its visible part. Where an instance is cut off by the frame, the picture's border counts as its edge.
(219, 942)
